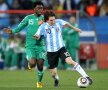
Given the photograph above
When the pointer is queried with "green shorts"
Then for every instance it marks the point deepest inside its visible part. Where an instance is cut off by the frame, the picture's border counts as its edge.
(38, 53)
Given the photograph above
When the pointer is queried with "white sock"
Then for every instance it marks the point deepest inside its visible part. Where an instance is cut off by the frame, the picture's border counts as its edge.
(56, 77)
(78, 68)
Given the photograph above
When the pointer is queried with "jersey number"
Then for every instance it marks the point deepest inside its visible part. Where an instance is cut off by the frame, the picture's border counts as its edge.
(31, 21)
(67, 54)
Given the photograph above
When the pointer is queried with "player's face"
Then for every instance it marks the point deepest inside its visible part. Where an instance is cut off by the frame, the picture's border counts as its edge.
(51, 20)
(38, 9)
(72, 20)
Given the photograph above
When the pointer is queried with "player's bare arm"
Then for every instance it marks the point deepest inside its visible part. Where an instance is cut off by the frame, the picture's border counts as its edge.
(74, 28)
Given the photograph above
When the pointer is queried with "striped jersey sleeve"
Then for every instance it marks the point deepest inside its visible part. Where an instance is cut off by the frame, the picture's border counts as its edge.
(40, 31)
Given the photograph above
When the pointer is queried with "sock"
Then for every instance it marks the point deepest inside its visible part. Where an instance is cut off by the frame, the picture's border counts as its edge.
(40, 76)
(56, 76)
(78, 68)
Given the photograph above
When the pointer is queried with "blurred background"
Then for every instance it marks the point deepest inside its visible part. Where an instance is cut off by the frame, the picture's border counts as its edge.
(89, 48)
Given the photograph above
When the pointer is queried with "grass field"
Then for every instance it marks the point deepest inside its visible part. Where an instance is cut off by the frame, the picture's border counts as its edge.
(26, 80)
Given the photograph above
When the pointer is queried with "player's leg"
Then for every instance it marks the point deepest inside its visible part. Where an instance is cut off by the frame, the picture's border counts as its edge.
(78, 68)
(32, 63)
(55, 76)
(31, 57)
(23, 60)
(7, 61)
(66, 56)
(14, 62)
(40, 63)
(41, 56)
(53, 63)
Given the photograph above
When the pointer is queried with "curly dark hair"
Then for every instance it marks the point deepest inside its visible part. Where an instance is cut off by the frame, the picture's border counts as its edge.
(48, 14)
(37, 3)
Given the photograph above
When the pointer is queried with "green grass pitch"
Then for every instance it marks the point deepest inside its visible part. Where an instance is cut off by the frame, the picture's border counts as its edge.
(26, 80)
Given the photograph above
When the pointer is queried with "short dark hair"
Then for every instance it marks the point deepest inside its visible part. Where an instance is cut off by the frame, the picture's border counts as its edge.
(48, 14)
(37, 3)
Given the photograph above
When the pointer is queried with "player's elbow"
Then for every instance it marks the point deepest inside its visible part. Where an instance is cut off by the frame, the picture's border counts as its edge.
(67, 24)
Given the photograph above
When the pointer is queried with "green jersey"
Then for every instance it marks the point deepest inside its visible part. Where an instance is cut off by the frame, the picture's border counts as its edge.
(32, 23)
(71, 37)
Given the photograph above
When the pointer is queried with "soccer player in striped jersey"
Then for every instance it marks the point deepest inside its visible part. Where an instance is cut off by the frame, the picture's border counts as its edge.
(51, 30)
(34, 48)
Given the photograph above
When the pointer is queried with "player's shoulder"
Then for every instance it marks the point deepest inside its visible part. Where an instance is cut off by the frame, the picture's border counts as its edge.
(30, 15)
(43, 24)
(59, 20)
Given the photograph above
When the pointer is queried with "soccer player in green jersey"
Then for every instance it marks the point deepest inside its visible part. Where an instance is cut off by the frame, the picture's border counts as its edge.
(71, 39)
(34, 48)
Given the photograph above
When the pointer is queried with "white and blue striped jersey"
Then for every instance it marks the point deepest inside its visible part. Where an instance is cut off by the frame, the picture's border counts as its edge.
(52, 35)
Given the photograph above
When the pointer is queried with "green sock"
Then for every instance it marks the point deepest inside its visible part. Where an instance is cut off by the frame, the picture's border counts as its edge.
(40, 76)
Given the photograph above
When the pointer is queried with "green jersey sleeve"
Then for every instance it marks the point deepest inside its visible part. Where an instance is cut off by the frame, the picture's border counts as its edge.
(21, 26)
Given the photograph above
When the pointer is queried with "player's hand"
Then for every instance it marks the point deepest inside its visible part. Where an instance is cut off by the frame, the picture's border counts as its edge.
(7, 30)
(36, 37)
(40, 22)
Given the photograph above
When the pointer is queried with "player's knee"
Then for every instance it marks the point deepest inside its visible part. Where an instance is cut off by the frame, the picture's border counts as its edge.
(40, 64)
(69, 60)
(32, 62)
(32, 65)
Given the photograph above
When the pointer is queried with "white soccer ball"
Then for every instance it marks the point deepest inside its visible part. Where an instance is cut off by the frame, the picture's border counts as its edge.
(82, 82)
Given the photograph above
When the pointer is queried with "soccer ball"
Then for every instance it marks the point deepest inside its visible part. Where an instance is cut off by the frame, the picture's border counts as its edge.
(82, 82)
